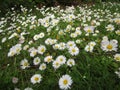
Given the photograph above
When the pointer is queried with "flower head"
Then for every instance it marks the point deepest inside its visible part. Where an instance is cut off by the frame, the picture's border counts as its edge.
(24, 64)
(89, 29)
(111, 45)
(36, 78)
(65, 82)
(36, 61)
(117, 57)
(74, 51)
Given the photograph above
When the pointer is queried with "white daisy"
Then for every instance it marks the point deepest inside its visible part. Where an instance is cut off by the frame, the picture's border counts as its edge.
(56, 46)
(109, 45)
(62, 46)
(89, 29)
(78, 32)
(61, 59)
(42, 66)
(73, 35)
(41, 35)
(24, 64)
(117, 20)
(71, 44)
(92, 43)
(78, 41)
(110, 27)
(25, 47)
(117, 32)
(71, 62)
(74, 51)
(117, 57)
(48, 41)
(48, 59)
(41, 49)
(33, 53)
(56, 64)
(65, 82)
(36, 37)
(89, 48)
(36, 78)
(15, 50)
(36, 61)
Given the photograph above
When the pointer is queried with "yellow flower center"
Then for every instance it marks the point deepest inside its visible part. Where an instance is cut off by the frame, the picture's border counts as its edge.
(49, 59)
(73, 50)
(89, 30)
(70, 44)
(18, 50)
(25, 64)
(57, 63)
(65, 82)
(117, 58)
(110, 28)
(36, 78)
(12, 53)
(117, 21)
(61, 59)
(37, 60)
(42, 50)
(34, 53)
(109, 46)
(43, 67)
(71, 63)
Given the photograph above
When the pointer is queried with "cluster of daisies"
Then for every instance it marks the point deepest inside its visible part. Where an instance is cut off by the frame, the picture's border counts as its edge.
(57, 36)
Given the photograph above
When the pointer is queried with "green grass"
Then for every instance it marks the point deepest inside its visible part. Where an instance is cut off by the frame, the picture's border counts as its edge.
(92, 70)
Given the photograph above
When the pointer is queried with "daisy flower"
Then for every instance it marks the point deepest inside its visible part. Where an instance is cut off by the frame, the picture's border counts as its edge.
(48, 59)
(33, 53)
(42, 66)
(56, 46)
(78, 32)
(41, 49)
(78, 41)
(117, 20)
(74, 51)
(36, 78)
(73, 35)
(71, 44)
(25, 47)
(117, 32)
(89, 29)
(36, 61)
(61, 59)
(48, 41)
(89, 48)
(110, 27)
(15, 50)
(117, 57)
(65, 82)
(36, 37)
(62, 46)
(71, 62)
(56, 64)
(92, 43)
(41, 35)
(24, 64)
(109, 45)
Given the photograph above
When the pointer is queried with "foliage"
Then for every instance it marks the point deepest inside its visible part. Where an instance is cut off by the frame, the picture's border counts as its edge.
(93, 69)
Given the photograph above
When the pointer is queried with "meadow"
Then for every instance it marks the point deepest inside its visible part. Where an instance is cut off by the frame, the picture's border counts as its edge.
(61, 48)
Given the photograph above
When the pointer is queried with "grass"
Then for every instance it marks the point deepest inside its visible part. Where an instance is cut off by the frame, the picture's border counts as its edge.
(93, 70)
